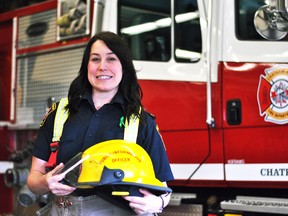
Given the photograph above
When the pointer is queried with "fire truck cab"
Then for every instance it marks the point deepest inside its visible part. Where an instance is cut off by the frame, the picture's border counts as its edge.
(214, 73)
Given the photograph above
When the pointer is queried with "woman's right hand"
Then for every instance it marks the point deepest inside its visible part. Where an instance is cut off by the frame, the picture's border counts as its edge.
(40, 182)
(53, 182)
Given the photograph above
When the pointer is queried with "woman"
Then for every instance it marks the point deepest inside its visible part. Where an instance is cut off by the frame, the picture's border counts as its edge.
(105, 90)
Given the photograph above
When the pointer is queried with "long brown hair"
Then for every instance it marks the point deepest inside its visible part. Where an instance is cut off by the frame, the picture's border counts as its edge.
(128, 87)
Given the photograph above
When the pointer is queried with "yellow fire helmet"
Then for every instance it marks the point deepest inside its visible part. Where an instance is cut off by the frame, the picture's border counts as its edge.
(123, 165)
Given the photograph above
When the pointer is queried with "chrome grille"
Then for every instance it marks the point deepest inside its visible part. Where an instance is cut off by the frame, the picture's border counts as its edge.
(42, 76)
(25, 41)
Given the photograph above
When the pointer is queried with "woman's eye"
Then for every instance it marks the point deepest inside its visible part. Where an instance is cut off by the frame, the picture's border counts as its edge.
(94, 59)
(111, 59)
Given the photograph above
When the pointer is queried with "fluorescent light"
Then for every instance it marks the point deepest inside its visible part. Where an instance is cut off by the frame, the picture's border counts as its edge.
(161, 23)
(185, 54)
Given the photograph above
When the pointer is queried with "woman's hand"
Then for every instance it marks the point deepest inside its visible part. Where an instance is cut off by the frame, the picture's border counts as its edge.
(40, 182)
(54, 185)
(149, 203)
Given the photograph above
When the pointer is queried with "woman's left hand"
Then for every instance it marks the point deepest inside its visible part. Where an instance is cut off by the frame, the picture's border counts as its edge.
(149, 203)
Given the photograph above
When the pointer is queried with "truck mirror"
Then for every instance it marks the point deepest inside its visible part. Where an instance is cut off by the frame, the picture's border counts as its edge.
(271, 21)
(271, 24)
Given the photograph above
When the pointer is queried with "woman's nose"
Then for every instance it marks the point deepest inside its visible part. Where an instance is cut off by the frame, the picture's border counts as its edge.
(102, 65)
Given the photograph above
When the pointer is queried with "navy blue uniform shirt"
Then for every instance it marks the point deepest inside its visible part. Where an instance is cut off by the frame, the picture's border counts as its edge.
(90, 126)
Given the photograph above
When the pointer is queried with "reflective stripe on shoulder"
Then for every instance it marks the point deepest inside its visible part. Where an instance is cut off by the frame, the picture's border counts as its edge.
(60, 118)
(131, 129)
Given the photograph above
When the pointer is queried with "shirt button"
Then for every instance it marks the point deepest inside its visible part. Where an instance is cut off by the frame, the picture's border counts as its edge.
(90, 135)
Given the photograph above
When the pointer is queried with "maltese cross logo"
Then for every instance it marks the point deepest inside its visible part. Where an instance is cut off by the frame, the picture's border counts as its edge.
(272, 94)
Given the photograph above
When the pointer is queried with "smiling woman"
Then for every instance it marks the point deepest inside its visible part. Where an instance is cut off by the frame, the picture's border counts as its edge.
(104, 102)
(104, 73)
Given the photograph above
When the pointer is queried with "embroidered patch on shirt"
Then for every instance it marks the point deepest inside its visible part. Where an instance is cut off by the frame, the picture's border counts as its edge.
(52, 108)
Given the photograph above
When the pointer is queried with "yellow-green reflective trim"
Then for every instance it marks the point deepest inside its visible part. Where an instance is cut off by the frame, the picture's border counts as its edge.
(60, 118)
(130, 130)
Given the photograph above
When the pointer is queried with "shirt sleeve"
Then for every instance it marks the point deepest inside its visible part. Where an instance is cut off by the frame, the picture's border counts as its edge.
(151, 140)
(41, 148)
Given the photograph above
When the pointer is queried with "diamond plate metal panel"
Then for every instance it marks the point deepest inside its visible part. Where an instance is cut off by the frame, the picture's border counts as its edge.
(43, 76)
(183, 210)
(49, 36)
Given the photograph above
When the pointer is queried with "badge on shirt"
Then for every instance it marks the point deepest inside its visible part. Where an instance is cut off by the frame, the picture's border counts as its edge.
(52, 108)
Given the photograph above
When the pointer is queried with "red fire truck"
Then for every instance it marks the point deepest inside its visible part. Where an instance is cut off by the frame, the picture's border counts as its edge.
(214, 73)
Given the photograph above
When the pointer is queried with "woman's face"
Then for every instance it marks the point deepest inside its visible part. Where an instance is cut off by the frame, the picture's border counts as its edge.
(104, 69)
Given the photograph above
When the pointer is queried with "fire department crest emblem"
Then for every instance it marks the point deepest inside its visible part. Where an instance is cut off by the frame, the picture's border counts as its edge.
(272, 94)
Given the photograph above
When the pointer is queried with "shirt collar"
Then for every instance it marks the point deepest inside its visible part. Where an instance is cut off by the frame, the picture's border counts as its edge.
(87, 96)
